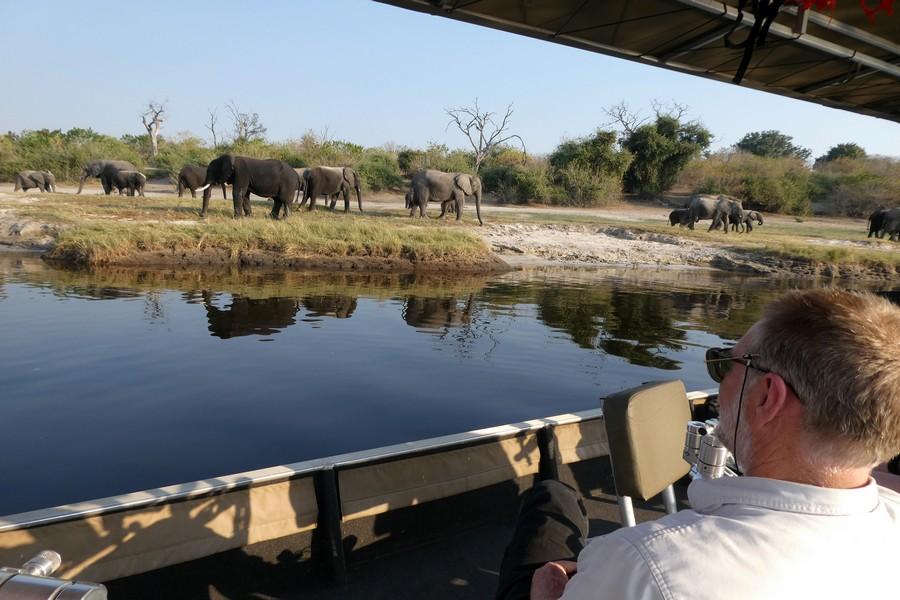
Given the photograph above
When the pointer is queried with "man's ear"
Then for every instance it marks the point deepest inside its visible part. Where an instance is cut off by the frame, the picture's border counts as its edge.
(775, 400)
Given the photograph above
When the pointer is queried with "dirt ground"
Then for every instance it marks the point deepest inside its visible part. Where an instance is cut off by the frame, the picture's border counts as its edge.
(523, 243)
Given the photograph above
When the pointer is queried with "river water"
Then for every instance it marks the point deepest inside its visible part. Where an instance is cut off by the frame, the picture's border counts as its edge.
(117, 380)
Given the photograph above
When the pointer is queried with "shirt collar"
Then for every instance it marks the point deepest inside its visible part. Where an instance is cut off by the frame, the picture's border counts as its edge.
(708, 494)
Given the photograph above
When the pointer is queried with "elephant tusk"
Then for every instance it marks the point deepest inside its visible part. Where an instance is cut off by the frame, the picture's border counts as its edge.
(203, 188)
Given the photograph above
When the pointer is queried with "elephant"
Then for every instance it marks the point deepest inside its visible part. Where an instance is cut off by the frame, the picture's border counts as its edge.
(721, 209)
(745, 225)
(678, 216)
(95, 168)
(43, 180)
(249, 316)
(329, 181)
(133, 181)
(876, 222)
(436, 186)
(891, 225)
(111, 179)
(303, 173)
(269, 178)
(338, 306)
(192, 177)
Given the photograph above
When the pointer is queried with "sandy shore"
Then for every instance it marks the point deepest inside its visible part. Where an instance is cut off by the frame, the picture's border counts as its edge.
(517, 244)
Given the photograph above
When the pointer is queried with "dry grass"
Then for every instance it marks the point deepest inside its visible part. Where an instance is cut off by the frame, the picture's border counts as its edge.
(98, 229)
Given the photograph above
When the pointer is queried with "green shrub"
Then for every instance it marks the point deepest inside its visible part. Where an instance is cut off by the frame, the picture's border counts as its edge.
(580, 186)
(379, 170)
(856, 187)
(518, 183)
(661, 151)
(588, 171)
(780, 185)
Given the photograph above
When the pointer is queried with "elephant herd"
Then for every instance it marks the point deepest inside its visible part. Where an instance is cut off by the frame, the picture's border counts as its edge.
(275, 179)
(725, 211)
(885, 221)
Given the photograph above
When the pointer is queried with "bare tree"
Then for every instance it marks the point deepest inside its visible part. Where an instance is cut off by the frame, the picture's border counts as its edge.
(482, 130)
(152, 119)
(247, 126)
(620, 114)
(211, 125)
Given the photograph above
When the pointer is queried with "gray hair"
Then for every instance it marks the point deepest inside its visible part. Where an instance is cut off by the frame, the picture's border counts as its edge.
(840, 353)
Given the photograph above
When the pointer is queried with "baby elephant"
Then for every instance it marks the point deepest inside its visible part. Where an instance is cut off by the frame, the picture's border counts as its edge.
(43, 180)
(679, 216)
(133, 181)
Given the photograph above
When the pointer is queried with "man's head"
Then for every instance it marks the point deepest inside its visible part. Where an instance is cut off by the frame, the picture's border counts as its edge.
(827, 378)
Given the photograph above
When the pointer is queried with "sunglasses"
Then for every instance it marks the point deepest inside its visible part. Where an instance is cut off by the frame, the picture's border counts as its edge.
(719, 361)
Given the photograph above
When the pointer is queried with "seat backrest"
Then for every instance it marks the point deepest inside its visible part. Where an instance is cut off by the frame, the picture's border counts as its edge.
(645, 426)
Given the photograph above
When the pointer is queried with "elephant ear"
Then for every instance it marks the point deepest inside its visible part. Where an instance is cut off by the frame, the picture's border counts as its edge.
(227, 167)
(464, 182)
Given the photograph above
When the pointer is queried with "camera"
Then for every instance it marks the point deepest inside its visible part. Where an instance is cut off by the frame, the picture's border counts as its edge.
(709, 459)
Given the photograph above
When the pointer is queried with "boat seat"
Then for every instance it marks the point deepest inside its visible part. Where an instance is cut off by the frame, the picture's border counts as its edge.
(645, 426)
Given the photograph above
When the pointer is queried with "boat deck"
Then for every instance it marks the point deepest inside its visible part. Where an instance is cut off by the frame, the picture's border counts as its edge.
(448, 548)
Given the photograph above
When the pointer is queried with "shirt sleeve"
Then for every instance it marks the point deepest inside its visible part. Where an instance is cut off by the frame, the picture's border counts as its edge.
(610, 567)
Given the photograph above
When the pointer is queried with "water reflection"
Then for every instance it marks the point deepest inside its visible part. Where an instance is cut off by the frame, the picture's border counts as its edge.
(346, 365)
(248, 316)
(438, 314)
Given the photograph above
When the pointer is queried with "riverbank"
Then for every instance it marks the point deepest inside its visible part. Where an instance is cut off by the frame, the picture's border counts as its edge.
(164, 230)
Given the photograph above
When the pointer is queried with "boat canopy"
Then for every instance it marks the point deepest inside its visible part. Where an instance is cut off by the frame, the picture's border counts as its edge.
(844, 58)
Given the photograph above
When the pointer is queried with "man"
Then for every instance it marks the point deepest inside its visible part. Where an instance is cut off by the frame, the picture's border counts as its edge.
(809, 403)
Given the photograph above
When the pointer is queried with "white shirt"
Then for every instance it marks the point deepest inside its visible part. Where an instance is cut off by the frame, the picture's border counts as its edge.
(749, 537)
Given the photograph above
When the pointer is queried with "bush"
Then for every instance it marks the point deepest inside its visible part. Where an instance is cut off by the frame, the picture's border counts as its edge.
(379, 170)
(856, 187)
(580, 186)
(62, 153)
(780, 185)
(588, 171)
(518, 183)
(661, 151)
(188, 150)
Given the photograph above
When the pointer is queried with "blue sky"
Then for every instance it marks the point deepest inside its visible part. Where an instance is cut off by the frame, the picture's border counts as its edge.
(368, 72)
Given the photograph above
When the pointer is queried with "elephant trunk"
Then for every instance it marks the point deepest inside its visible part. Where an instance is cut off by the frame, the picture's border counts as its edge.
(478, 205)
(81, 182)
(359, 198)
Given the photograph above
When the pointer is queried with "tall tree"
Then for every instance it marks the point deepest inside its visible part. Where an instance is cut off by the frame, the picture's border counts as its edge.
(211, 125)
(153, 119)
(845, 150)
(772, 144)
(661, 147)
(482, 130)
(247, 126)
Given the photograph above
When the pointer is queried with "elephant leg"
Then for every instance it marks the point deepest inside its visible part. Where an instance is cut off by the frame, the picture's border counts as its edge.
(458, 202)
(346, 192)
(206, 194)
(237, 198)
(248, 210)
(276, 208)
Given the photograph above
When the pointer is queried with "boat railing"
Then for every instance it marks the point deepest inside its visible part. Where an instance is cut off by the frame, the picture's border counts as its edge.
(127, 534)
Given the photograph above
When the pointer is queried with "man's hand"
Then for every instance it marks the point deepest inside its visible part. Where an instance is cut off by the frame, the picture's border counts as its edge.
(549, 582)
